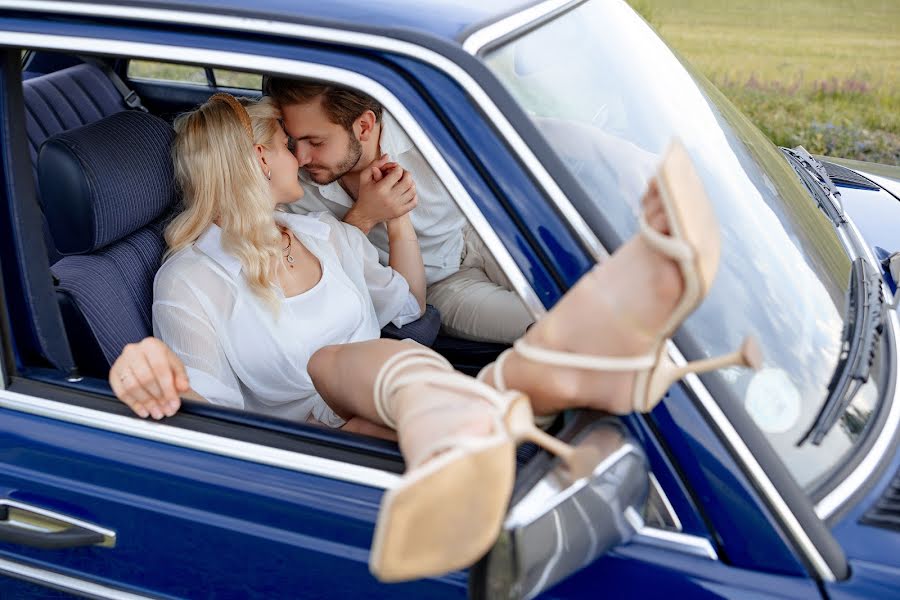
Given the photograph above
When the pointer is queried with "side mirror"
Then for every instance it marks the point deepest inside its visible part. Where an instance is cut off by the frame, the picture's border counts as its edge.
(559, 525)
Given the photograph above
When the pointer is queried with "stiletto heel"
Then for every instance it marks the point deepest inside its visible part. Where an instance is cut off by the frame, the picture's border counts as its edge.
(520, 423)
(667, 372)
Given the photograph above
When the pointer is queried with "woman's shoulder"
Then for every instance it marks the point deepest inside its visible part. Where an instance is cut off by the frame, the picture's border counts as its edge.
(188, 267)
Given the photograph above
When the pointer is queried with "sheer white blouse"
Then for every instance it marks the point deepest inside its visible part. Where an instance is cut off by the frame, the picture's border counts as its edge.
(238, 353)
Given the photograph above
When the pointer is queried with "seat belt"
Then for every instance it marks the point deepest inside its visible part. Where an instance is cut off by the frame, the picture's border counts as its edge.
(132, 100)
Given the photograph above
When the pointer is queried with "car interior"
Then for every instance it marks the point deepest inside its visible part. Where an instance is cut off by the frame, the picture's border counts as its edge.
(98, 132)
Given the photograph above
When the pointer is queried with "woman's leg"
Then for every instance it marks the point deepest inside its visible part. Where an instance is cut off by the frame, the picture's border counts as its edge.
(621, 304)
(345, 377)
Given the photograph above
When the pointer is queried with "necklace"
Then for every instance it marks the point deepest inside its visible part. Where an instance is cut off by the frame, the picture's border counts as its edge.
(286, 251)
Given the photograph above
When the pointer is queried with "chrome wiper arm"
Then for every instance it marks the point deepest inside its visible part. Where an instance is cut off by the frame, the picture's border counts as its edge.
(817, 181)
(862, 330)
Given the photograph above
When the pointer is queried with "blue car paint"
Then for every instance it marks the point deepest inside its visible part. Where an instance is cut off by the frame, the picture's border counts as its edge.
(217, 523)
(58, 462)
(446, 19)
(875, 214)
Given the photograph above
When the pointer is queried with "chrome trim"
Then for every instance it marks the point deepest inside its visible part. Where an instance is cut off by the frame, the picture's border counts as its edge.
(477, 40)
(109, 536)
(73, 585)
(362, 40)
(534, 505)
(176, 436)
(677, 541)
(654, 483)
(789, 521)
(867, 466)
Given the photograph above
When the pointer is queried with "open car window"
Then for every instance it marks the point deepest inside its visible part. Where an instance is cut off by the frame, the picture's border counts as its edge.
(91, 325)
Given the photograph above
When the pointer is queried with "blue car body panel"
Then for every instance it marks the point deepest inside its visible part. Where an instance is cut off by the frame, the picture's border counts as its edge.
(192, 523)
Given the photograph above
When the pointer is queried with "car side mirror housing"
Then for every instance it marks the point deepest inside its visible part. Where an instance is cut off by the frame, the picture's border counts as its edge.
(561, 525)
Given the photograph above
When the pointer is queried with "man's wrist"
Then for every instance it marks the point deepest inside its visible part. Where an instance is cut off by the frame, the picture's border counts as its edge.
(401, 229)
(359, 221)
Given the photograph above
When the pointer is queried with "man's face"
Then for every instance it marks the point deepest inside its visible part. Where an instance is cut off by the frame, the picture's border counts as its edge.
(324, 150)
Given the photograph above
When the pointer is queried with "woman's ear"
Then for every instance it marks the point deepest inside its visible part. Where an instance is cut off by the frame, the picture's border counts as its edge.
(262, 159)
(365, 125)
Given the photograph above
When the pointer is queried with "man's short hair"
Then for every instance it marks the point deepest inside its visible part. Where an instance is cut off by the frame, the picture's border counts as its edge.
(342, 105)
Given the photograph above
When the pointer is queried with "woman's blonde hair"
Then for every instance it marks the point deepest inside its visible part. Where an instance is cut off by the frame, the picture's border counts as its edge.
(217, 171)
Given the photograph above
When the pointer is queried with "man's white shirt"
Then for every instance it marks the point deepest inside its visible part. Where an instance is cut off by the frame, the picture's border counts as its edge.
(436, 219)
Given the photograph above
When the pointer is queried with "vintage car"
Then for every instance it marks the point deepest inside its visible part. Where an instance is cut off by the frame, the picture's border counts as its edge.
(544, 121)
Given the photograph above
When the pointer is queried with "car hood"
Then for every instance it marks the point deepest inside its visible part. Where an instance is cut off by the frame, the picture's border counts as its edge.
(875, 208)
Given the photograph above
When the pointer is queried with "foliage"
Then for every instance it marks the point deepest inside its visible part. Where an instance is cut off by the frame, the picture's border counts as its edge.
(821, 73)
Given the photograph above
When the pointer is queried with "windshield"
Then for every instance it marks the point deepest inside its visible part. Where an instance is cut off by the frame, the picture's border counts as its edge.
(609, 96)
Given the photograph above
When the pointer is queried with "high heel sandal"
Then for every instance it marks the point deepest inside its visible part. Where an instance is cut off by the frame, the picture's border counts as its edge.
(449, 507)
(694, 244)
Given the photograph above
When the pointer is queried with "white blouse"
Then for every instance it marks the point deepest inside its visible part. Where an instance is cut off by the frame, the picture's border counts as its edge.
(238, 353)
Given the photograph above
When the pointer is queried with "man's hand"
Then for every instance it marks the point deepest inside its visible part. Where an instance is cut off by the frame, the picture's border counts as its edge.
(386, 192)
(149, 378)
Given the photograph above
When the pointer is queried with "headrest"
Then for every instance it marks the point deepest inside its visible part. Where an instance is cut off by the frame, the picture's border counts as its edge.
(103, 181)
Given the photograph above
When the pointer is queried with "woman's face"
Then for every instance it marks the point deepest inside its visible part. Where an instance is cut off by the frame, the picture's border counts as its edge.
(284, 183)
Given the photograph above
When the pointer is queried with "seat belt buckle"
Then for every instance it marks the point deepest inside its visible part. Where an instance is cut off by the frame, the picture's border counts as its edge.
(132, 100)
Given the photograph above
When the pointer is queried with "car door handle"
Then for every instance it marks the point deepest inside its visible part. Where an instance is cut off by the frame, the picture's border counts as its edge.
(28, 525)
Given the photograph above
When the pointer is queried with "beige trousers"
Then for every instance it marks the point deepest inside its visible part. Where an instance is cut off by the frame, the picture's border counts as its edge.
(477, 302)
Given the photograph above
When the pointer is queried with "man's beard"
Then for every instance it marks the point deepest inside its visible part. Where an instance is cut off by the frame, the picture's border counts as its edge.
(326, 176)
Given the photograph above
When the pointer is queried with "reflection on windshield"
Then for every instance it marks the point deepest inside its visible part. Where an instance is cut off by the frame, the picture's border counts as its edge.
(609, 96)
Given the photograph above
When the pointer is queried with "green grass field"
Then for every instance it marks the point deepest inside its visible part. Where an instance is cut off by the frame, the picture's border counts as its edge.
(821, 73)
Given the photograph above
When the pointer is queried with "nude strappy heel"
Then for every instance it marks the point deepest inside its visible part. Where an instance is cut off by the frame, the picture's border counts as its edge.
(694, 244)
(449, 507)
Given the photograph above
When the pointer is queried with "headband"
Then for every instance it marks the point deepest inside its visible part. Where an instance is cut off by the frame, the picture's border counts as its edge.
(241, 112)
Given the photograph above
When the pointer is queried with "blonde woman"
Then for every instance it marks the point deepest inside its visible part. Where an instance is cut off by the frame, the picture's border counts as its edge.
(281, 313)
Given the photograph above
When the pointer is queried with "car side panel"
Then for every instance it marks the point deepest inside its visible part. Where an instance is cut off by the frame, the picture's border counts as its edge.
(190, 523)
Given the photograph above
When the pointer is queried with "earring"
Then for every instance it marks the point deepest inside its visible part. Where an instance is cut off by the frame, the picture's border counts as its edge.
(269, 175)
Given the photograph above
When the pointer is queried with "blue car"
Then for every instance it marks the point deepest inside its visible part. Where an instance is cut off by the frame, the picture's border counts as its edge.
(544, 121)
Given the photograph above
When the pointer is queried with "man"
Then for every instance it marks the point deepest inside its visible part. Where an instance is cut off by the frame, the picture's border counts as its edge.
(345, 142)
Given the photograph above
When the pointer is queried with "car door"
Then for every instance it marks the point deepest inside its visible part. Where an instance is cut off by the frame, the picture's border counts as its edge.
(211, 503)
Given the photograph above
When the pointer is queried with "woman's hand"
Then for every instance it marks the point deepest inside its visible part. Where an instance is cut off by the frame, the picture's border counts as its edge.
(149, 378)
(385, 192)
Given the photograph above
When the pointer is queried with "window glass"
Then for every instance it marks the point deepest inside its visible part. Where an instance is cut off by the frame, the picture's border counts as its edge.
(147, 69)
(609, 96)
(236, 79)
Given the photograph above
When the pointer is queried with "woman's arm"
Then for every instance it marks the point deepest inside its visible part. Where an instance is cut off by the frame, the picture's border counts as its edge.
(405, 256)
(151, 379)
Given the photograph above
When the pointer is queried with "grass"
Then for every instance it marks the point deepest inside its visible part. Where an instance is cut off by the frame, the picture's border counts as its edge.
(821, 73)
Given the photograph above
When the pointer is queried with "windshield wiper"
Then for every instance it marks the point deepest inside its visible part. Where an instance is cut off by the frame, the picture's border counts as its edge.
(862, 330)
(813, 175)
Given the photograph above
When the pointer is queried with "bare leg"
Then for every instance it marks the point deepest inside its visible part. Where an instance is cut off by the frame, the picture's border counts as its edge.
(345, 377)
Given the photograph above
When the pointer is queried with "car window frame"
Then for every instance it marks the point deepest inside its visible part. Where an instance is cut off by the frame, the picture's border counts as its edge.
(71, 402)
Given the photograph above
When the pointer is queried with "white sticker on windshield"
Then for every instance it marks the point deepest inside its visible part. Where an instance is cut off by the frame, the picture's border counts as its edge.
(773, 401)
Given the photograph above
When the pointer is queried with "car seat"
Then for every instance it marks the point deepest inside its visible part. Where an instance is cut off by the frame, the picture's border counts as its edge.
(106, 190)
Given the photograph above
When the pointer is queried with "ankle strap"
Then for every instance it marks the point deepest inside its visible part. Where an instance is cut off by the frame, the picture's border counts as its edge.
(386, 381)
(584, 361)
(674, 248)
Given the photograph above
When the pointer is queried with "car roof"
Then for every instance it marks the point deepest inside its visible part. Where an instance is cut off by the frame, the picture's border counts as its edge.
(447, 19)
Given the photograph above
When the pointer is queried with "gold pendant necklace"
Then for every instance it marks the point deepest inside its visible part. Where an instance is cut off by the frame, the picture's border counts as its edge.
(287, 249)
